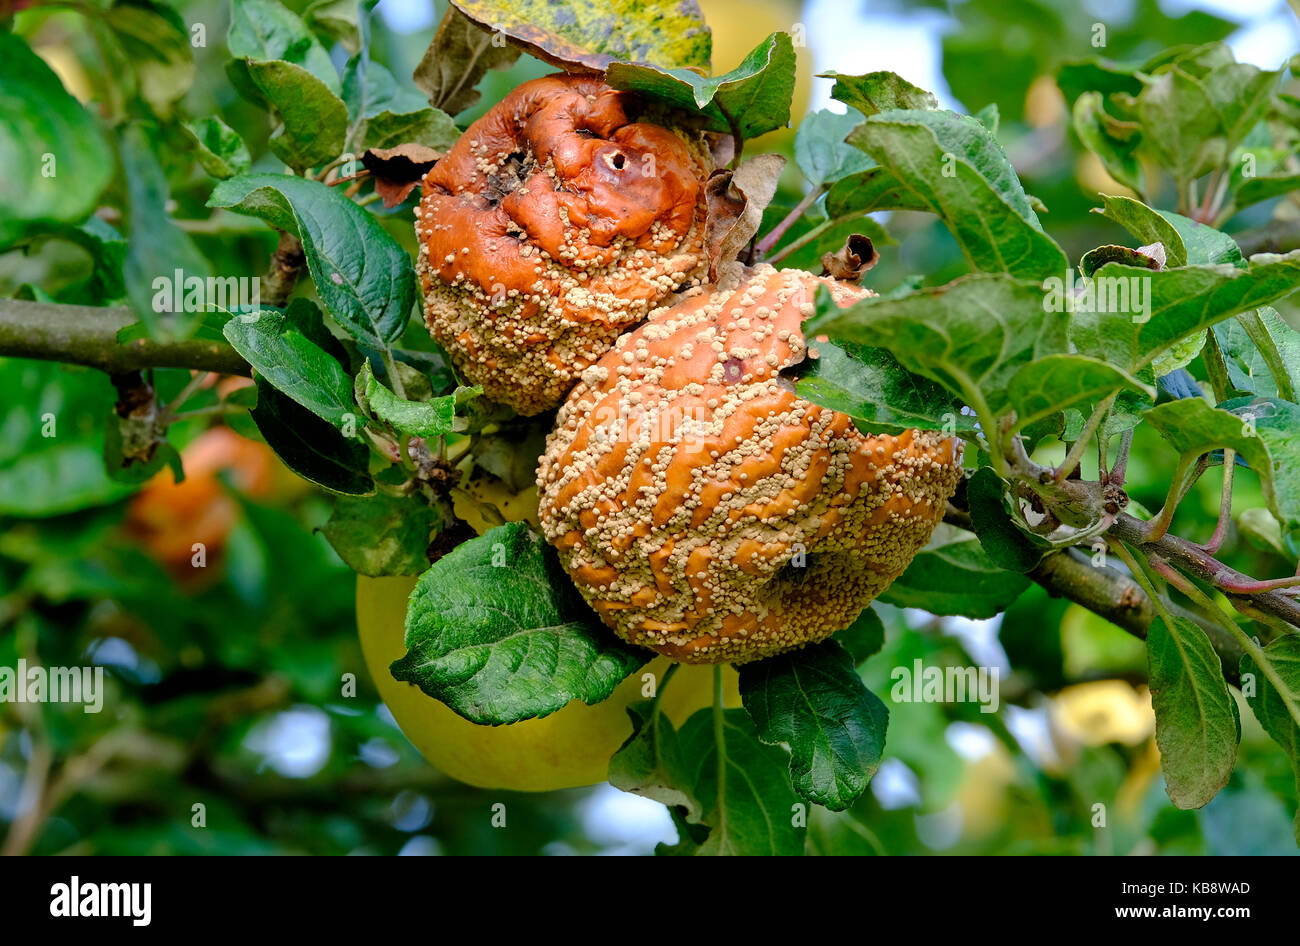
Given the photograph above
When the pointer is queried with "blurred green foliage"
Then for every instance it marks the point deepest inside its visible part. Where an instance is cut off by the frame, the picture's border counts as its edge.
(233, 693)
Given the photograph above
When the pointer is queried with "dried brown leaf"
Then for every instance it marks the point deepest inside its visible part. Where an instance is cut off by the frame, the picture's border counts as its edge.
(460, 55)
(851, 260)
(736, 200)
(396, 171)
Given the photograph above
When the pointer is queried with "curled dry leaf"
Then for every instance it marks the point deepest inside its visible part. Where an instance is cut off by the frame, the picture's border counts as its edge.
(736, 202)
(1152, 256)
(397, 170)
(460, 55)
(851, 260)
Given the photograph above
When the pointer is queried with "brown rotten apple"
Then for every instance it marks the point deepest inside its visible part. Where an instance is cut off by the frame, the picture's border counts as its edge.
(708, 513)
(552, 225)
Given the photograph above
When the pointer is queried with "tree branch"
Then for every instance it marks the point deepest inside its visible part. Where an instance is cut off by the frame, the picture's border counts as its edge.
(1079, 503)
(286, 263)
(1112, 595)
(1190, 558)
(87, 335)
(764, 246)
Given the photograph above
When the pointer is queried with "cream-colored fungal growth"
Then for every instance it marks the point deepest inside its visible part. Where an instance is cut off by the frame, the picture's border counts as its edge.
(553, 224)
(708, 513)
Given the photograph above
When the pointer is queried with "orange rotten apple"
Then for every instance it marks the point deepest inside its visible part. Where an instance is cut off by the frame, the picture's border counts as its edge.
(707, 512)
(168, 518)
(558, 220)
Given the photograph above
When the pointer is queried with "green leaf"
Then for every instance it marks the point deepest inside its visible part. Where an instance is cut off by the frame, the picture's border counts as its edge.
(650, 763)
(1241, 93)
(1196, 111)
(381, 534)
(752, 813)
(1180, 122)
(1253, 190)
(369, 88)
(1262, 530)
(55, 159)
(970, 335)
(1146, 224)
(957, 578)
(1096, 130)
(431, 418)
(1002, 540)
(831, 235)
(954, 168)
(689, 836)
(878, 92)
(362, 275)
(314, 119)
(813, 701)
(275, 344)
(1185, 241)
(460, 54)
(426, 126)
(821, 151)
(1276, 422)
(1275, 697)
(51, 454)
(1261, 430)
(1249, 370)
(841, 834)
(336, 20)
(1196, 60)
(879, 394)
(1262, 336)
(1248, 819)
(1081, 76)
(384, 114)
(957, 135)
(311, 447)
(584, 36)
(497, 631)
(871, 190)
(990, 117)
(1276, 700)
(157, 45)
(107, 252)
(220, 150)
(264, 31)
(1054, 382)
(1176, 303)
(1204, 243)
(756, 94)
(1197, 725)
(157, 249)
(1182, 354)
(864, 637)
